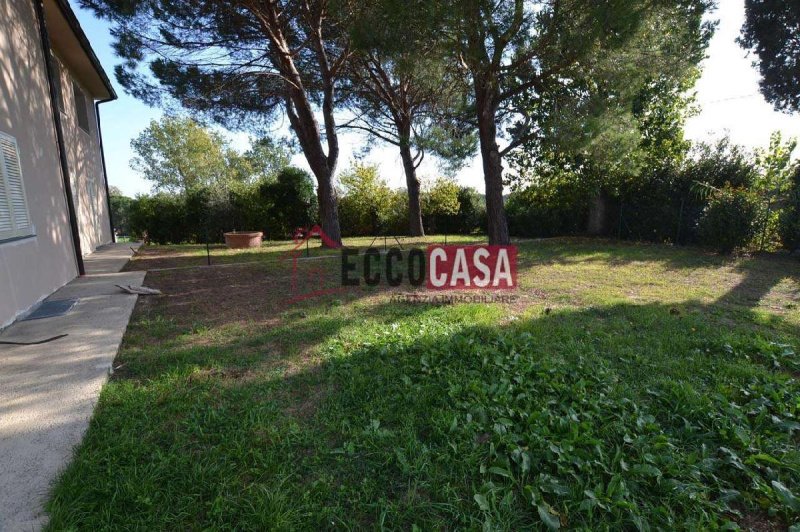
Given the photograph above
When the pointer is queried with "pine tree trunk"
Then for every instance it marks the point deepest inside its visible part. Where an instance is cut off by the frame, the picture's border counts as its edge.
(414, 210)
(329, 209)
(306, 128)
(301, 115)
(486, 101)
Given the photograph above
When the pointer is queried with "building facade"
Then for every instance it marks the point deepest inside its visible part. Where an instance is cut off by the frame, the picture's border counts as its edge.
(54, 206)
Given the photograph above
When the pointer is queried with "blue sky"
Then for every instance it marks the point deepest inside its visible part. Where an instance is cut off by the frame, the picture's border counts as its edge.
(727, 93)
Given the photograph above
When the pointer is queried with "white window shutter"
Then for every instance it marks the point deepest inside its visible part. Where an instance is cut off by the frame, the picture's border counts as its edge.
(6, 225)
(15, 220)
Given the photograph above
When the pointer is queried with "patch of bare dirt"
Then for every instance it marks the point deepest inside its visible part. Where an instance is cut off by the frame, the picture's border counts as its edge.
(248, 294)
(758, 522)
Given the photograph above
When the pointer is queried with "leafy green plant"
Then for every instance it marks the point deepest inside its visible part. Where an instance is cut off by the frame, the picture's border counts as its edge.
(440, 203)
(728, 221)
(120, 211)
(290, 202)
(557, 207)
(366, 201)
(584, 411)
(789, 221)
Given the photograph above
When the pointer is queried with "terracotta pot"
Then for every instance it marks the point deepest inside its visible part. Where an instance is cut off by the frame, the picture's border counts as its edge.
(243, 239)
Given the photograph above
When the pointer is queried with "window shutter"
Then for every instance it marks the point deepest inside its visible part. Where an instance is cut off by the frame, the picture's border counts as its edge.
(6, 226)
(15, 219)
(81, 110)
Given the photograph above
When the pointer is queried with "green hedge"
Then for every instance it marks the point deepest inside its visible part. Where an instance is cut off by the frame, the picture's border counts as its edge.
(789, 217)
(276, 208)
(729, 219)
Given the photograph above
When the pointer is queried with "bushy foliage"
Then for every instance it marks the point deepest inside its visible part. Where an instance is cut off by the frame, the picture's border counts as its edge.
(557, 207)
(720, 164)
(160, 218)
(658, 204)
(728, 221)
(789, 226)
(661, 205)
(773, 184)
(652, 208)
(275, 207)
(440, 204)
(366, 202)
(471, 215)
(369, 207)
(290, 202)
(120, 212)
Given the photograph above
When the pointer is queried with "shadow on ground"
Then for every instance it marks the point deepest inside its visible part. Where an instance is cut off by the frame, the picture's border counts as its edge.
(353, 411)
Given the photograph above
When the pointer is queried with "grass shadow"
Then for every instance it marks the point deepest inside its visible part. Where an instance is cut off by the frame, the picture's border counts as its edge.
(450, 417)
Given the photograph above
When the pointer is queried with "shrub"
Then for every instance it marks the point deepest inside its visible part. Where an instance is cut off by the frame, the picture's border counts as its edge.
(440, 205)
(558, 207)
(465, 217)
(397, 216)
(659, 205)
(120, 213)
(276, 207)
(366, 204)
(289, 202)
(789, 220)
(729, 220)
(160, 219)
(471, 216)
(722, 164)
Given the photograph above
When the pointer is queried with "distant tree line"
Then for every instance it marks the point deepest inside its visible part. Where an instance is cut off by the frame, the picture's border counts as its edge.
(597, 91)
(203, 187)
(446, 78)
(717, 195)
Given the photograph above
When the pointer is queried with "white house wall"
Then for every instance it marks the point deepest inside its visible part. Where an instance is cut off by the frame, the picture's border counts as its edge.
(34, 267)
(86, 168)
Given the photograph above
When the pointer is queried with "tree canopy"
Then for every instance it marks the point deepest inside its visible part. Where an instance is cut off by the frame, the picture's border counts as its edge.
(404, 91)
(177, 154)
(771, 31)
(243, 64)
(622, 110)
(520, 50)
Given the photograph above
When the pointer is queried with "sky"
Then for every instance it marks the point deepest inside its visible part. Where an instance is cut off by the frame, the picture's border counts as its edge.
(727, 94)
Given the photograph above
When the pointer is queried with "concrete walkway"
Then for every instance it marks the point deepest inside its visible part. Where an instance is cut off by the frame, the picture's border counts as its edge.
(48, 391)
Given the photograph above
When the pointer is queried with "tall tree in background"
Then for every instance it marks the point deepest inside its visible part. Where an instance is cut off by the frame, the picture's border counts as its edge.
(176, 154)
(509, 49)
(403, 92)
(240, 63)
(621, 110)
(265, 159)
(772, 31)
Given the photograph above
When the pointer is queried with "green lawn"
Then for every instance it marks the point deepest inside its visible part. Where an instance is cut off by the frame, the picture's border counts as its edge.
(189, 255)
(630, 386)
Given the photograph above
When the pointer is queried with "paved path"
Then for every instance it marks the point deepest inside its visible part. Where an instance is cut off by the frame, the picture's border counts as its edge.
(48, 392)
